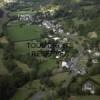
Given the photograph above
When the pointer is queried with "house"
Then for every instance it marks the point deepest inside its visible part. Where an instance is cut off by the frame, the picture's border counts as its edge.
(89, 51)
(60, 30)
(65, 40)
(71, 66)
(64, 64)
(81, 71)
(25, 17)
(50, 36)
(94, 61)
(88, 86)
(10, 1)
(58, 25)
(48, 47)
(57, 57)
(56, 38)
(47, 24)
(97, 54)
(92, 35)
(63, 52)
(68, 33)
(54, 30)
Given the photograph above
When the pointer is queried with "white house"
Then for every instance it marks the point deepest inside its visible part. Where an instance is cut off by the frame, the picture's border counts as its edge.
(94, 61)
(57, 57)
(25, 17)
(10, 1)
(60, 30)
(50, 36)
(47, 24)
(89, 51)
(97, 54)
(64, 64)
(88, 86)
(65, 39)
(63, 52)
(56, 38)
(82, 71)
(68, 33)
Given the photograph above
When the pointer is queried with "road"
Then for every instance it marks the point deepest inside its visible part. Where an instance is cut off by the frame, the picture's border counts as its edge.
(76, 60)
(38, 96)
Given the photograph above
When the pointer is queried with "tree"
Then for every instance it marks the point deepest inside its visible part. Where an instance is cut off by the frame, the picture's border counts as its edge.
(89, 63)
(1, 13)
(20, 77)
(7, 87)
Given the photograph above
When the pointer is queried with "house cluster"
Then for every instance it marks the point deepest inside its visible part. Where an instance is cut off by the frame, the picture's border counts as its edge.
(52, 25)
(51, 9)
(25, 17)
(42, 19)
(33, 17)
(29, 18)
(94, 54)
(54, 46)
(71, 66)
(10, 1)
(88, 87)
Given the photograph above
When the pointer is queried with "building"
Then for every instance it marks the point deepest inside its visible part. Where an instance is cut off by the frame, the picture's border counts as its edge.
(92, 35)
(64, 64)
(88, 86)
(89, 51)
(97, 54)
(56, 38)
(10, 1)
(57, 57)
(25, 17)
(94, 61)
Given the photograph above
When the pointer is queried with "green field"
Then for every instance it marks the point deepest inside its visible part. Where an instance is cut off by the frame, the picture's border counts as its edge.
(1, 0)
(60, 77)
(25, 68)
(21, 12)
(48, 64)
(3, 69)
(21, 47)
(85, 98)
(27, 90)
(25, 32)
(96, 78)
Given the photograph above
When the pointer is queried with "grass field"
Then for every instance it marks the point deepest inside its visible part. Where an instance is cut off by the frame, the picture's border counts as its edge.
(78, 22)
(48, 64)
(2, 21)
(1, 0)
(60, 77)
(3, 69)
(85, 98)
(25, 68)
(21, 47)
(96, 78)
(26, 32)
(21, 12)
(27, 90)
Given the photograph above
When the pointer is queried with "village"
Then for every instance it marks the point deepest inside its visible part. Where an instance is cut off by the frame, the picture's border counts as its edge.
(59, 36)
(49, 51)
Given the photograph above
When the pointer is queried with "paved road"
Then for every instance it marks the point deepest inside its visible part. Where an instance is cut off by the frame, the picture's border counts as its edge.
(76, 60)
(38, 96)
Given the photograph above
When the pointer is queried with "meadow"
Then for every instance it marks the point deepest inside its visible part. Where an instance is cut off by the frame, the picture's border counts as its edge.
(85, 98)
(24, 32)
(3, 69)
(96, 78)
